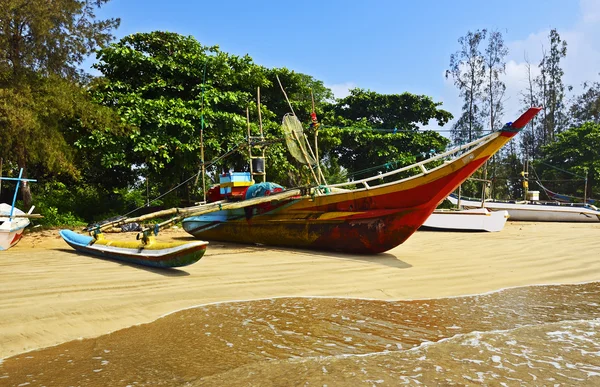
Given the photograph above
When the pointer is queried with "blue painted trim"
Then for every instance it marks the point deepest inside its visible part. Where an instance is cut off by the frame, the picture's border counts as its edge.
(12, 208)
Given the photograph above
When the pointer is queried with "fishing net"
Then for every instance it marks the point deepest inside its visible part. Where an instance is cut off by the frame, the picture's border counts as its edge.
(295, 140)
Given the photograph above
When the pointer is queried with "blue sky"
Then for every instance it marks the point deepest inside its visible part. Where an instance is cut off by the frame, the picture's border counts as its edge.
(386, 46)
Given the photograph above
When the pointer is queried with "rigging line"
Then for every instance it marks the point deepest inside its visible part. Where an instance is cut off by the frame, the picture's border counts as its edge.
(395, 130)
(560, 169)
(559, 180)
(210, 163)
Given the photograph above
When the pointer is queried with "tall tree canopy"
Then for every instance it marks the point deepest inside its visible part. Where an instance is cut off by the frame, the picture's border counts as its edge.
(586, 106)
(41, 45)
(367, 132)
(170, 87)
(568, 160)
(551, 89)
(468, 70)
(155, 81)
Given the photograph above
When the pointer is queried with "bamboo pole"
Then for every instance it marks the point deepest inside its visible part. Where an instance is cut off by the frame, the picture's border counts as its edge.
(203, 166)
(322, 178)
(483, 185)
(30, 216)
(249, 142)
(262, 137)
(199, 210)
(585, 188)
(285, 95)
(220, 206)
(260, 125)
(305, 156)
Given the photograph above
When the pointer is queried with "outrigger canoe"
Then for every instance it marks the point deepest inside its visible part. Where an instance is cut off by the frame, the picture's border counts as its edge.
(380, 213)
(150, 253)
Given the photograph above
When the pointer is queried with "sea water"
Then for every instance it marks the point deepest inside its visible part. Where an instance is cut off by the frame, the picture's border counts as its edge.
(537, 336)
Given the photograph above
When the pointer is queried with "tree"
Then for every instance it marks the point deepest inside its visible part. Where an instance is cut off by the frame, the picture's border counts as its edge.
(168, 86)
(367, 132)
(529, 97)
(574, 153)
(586, 106)
(467, 69)
(41, 45)
(552, 88)
(495, 66)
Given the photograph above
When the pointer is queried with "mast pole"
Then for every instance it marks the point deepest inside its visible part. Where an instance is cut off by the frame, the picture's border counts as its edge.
(585, 188)
(321, 177)
(285, 95)
(262, 136)
(202, 135)
(249, 141)
(12, 208)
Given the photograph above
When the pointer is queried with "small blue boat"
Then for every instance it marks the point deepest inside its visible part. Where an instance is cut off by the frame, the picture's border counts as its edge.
(150, 253)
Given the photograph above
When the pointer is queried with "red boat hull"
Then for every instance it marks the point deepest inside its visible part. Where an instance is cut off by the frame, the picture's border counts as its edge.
(368, 220)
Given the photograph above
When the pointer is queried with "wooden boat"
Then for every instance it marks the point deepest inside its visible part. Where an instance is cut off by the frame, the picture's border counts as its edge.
(148, 253)
(476, 219)
(379, 215)
(536, 211)
(13, 221)
(11, 229)
(566, 198)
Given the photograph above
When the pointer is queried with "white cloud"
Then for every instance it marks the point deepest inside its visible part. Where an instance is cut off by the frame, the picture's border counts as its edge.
(341, 90)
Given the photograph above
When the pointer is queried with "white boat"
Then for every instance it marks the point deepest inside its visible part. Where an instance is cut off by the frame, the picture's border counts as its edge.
(11, 229)
(476, 219)
(12, 220)
(536, 211)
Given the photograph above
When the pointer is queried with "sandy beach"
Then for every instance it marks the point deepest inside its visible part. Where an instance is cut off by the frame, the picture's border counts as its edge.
(52, 295)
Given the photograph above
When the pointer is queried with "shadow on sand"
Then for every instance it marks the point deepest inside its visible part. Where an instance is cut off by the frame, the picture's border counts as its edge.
(167, 271)
(218, 247)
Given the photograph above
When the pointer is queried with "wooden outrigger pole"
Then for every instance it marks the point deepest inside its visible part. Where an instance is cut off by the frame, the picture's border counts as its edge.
(202, 209)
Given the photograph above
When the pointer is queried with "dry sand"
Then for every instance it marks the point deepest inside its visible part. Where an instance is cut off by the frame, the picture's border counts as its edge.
(50, 294)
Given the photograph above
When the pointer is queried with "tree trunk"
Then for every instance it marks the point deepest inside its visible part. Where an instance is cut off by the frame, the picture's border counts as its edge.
(27, 199)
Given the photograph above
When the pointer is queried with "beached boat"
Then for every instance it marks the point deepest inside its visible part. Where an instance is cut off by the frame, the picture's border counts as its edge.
(566, 198)
(11, 228)
(146, 253)
(379, 215)
(536, 211)
(13, 221)
(476, 219)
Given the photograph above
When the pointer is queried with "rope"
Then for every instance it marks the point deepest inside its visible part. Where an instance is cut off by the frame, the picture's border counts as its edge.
(394, 130)
(560, 169)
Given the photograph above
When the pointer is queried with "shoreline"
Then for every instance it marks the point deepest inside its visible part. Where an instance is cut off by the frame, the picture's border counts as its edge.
(53, 295)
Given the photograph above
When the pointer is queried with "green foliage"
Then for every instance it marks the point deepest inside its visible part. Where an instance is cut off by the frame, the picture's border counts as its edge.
(353, 137)
(53, 217)
(42, 103)
(573, 155)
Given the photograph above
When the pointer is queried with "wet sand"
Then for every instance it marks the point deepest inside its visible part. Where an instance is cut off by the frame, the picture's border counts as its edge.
(541, 335)
(51, 295)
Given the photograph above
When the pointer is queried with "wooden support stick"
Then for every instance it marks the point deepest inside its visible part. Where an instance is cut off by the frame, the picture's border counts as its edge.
(220, 206)
(201, 209)
(305, 156)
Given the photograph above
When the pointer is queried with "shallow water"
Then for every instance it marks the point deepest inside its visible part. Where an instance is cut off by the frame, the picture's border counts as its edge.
(541, 335)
